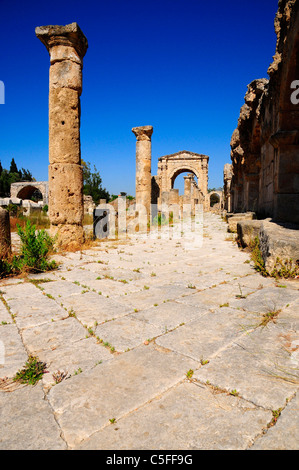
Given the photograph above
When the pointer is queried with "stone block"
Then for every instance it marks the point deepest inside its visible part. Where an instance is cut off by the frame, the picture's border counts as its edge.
(278, 241)
(66, 74)
(66, 194)
(64, 129)
(233, 220)
(247, 231)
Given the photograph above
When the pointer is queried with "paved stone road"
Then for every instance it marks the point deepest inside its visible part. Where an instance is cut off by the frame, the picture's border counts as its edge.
(126, 322)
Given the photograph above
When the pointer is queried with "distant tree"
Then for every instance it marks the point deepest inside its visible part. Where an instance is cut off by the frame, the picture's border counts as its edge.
(92, 184)
(13, 167)
(13, 175)
(26, 175)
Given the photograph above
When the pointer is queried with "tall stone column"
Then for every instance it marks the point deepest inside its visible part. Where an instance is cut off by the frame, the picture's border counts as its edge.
(143, 165)
(67, 46)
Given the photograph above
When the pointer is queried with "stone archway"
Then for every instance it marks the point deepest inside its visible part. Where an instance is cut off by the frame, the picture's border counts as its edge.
(190, 171)
(171, 166)
(25, 190)
(215, 199)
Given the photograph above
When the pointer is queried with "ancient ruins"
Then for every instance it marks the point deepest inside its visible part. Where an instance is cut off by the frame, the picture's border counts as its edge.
(25, 190)
(262, 181)
(67, 46)
(158, 190)
(151, 343)
(265, 145)
(5, 236)
(171, 166)
(143, 166)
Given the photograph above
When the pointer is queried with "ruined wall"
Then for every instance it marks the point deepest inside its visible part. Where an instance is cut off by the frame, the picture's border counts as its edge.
(265, 144)
(227, 179)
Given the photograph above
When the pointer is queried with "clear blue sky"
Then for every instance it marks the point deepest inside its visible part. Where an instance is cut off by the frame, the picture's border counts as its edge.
(182, 66)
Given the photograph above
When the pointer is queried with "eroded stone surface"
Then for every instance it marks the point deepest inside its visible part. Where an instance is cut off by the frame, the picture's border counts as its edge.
(204, 421)
(27, 421)
(202, 310)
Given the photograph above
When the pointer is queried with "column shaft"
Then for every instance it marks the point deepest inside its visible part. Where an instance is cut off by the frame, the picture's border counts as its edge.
(67, 46)
(143, 166)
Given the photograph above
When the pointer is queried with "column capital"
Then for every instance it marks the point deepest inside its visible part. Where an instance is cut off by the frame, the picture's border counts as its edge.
(143, 132)
(69, 35)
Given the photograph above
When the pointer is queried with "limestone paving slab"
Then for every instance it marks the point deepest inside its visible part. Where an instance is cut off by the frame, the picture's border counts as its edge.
(285, 434)
(12, 351)
(27, 421)
(19, 291)
(92, 308)
(145, 389)
(169, 315)
(71, 359)
(127, 332)
(268, 299)
(60, 289)
(187, 417)
(217, 296)
(261, 366)
(204, 337)
(53, 335)
(36, 310)
(151, 295)
(86, 403)
(5, 316)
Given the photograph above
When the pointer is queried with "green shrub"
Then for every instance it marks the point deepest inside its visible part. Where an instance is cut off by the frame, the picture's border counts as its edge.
(257, 257)
(34, 252)
(35, 248)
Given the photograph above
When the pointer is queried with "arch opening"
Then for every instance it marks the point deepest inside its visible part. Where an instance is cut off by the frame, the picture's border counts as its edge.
(30, 192)
(214, 199)
(178, 180)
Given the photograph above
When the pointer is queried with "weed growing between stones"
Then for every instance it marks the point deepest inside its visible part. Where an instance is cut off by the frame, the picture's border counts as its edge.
(270, 316)
(32, 372)
(287, 269)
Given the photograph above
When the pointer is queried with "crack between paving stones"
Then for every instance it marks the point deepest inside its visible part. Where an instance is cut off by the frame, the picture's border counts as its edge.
(134, 410)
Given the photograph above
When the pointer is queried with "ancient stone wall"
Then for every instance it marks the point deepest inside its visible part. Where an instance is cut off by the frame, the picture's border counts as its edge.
(265, 145)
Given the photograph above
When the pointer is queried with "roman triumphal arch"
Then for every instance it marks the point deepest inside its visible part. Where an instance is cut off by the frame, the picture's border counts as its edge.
(171, 166)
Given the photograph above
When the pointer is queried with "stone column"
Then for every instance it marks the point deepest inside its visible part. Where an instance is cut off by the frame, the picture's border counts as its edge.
(143, 165)
(67, 46)
(5, 237)
(187, 188)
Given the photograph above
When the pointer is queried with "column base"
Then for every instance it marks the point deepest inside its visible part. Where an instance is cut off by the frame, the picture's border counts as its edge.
(69, 237)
